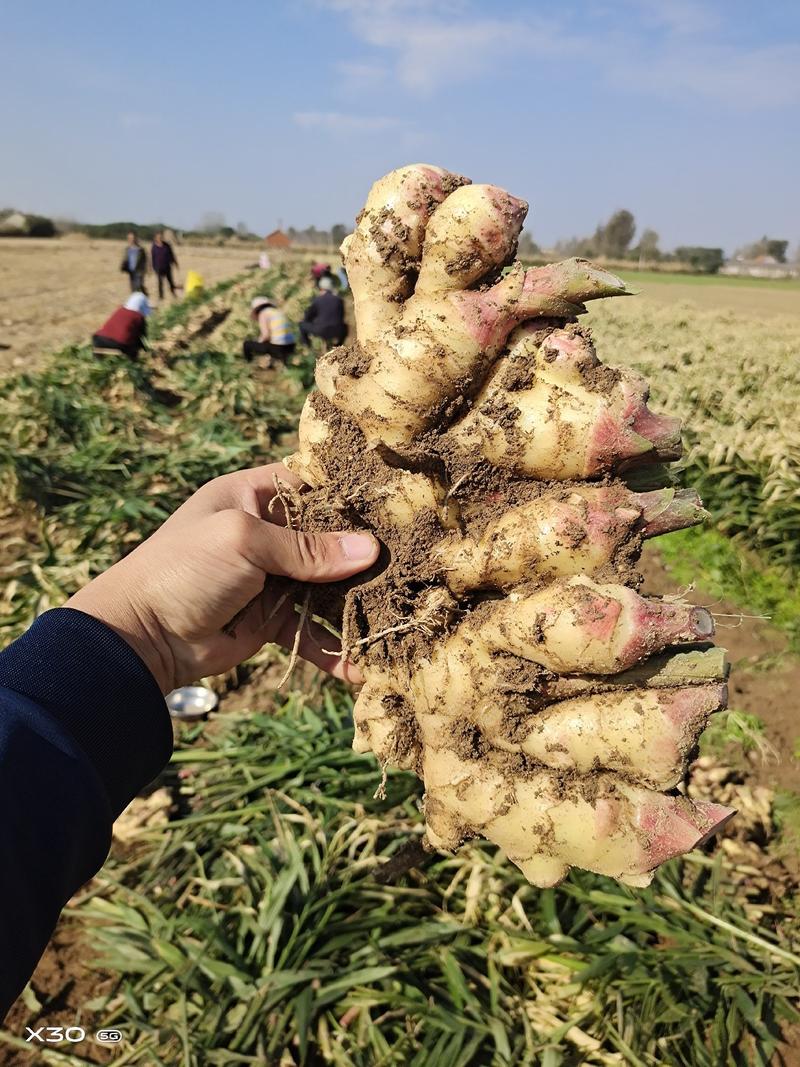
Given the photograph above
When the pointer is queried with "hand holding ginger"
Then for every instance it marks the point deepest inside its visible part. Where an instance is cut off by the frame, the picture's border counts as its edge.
(219, 558)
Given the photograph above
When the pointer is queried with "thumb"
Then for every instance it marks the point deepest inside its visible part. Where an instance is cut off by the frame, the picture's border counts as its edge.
(308, 557)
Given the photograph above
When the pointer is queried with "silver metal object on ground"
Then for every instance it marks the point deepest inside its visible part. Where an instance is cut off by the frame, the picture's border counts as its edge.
(191, 702)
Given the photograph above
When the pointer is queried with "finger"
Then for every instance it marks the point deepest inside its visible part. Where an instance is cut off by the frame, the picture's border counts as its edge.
(263, 483)
(251, 491)
(307, 557)
(322, 648)
(317, 645)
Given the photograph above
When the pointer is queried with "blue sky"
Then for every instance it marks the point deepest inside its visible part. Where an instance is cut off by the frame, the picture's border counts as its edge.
(687, 112)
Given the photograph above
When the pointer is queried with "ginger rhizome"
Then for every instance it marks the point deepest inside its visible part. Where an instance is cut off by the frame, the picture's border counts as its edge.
(508, 658)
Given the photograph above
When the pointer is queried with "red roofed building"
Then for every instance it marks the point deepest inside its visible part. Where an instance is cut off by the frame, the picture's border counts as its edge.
(277, 239)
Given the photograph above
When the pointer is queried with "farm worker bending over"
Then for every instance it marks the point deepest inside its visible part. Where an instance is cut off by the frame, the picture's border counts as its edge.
(275, 334)
(134, 263)
(125, 330)
(83, 722)
(324, 316)
(321, 270)
(163, 260)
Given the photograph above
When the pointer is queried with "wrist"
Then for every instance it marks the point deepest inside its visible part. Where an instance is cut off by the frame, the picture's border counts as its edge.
(109, 600)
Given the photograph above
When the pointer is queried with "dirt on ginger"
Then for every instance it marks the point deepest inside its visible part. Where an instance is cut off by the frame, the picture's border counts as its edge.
(512, 478)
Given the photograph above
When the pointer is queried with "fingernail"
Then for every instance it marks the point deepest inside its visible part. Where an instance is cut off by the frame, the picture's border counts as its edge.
(358, 546)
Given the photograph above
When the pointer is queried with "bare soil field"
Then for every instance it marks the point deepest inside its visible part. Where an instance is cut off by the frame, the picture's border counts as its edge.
(765, 676)
(60, 291)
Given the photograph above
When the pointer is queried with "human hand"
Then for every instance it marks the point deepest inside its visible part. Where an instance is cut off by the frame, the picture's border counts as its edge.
(212, 560)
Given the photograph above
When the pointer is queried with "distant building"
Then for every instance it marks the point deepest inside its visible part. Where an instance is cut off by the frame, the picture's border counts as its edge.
(759, 267)
(277, 239)
(15, 224)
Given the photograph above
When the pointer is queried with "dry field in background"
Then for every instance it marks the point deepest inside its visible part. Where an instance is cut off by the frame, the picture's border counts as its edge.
(59, 292)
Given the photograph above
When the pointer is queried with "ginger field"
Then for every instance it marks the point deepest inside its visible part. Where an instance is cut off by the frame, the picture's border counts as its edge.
(735, 383)
(239, 919)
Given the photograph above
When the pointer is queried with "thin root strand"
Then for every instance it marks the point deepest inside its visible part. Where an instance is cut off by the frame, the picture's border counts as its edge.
(296, 643)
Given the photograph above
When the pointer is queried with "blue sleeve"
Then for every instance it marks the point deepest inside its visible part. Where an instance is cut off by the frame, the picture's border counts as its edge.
(83, 727)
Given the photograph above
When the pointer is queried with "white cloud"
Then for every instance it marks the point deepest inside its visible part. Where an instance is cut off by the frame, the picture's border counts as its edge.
(431, 54)
(437, 42)
(338, 123)
(672, 48)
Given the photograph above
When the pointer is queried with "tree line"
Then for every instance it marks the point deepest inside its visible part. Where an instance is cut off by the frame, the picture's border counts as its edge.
(614, 239)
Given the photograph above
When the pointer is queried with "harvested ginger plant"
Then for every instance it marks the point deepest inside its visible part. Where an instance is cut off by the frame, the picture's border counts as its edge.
(508, 659)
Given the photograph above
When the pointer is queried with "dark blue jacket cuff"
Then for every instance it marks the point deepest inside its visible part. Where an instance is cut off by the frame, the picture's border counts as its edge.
(90, 680)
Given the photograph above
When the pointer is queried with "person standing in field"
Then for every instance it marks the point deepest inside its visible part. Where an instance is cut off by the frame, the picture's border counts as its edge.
(134, 263)
(324, 316)
(162, 260)
(125, 330)
(275, 334)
